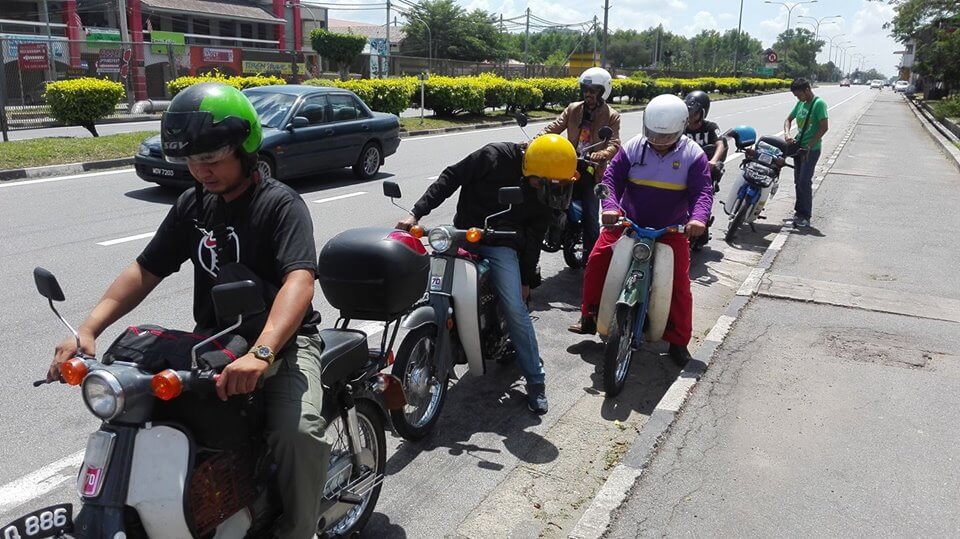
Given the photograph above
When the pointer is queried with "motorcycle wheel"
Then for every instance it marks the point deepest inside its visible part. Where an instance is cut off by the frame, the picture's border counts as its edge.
(618, 350)
(426, 390)
(737, 220)
(372, 438)
(573, 252)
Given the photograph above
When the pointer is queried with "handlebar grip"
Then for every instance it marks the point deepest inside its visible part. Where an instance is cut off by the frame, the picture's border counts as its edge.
(505, 234)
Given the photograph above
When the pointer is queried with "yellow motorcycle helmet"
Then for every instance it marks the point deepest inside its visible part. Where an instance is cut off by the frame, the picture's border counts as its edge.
(552, 161)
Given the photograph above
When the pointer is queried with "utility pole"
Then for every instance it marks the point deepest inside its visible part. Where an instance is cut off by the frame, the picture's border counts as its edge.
(501, 23)
(526, 40)
(46, 19)
(656, 49)
(125, 42)
(606, 16)
(736, 47)
(593, 30)
(387, 54)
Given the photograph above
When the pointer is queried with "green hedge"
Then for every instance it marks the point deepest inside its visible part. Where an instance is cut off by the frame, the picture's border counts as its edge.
(177, 85)
(383, 95)
(83, 101)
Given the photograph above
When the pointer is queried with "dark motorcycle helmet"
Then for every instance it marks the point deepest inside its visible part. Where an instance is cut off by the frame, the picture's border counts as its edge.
(207, 121)
(698, 101)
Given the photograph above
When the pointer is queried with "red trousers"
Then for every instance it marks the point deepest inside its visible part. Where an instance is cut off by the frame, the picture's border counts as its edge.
(680, 321)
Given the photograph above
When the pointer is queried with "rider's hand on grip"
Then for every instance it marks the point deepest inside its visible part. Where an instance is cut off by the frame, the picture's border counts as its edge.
(407, 223)
(240, 377)
(695, 228)
(609, 217)
(68, 350)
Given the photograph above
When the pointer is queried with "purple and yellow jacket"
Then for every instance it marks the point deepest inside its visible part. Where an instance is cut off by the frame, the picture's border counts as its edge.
(659, 191)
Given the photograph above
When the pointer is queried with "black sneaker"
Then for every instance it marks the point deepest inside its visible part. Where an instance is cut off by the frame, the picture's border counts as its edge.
(679, 354)
(537, 398)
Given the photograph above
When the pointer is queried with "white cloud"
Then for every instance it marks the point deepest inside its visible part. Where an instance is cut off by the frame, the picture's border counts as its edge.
(726, 17)
(703, 20)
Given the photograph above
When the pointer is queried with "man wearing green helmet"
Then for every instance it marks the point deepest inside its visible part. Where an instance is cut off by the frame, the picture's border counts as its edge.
(235, 225)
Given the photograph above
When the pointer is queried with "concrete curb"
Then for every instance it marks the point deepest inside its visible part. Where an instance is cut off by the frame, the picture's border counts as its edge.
(936, 132)
(62, 170)
(597, 518)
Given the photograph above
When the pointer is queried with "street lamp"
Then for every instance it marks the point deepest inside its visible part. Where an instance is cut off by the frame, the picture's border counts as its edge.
(843, 60)
(790, 7)
(819, 21)
(832, 44)
(429, 38)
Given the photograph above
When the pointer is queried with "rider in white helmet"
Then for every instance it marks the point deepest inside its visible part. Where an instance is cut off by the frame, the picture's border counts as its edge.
(581, 121)
(660, 178)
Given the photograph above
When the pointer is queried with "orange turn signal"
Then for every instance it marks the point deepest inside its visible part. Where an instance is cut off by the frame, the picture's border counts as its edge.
(166, 385)
(416, 231)
(73, 371)
(474, 234)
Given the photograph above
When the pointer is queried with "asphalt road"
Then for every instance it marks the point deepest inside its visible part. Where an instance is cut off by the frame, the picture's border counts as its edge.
(489, 458)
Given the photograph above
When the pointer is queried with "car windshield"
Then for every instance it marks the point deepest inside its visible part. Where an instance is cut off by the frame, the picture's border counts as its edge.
(271, 108)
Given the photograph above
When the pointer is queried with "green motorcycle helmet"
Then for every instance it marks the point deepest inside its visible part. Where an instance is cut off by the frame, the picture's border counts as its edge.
(208, 121)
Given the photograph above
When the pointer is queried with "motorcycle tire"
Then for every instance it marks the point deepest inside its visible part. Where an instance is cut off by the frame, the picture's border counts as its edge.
(737, 221)
(618, 351)
(424, 341)
(367, 414)
(573, 252)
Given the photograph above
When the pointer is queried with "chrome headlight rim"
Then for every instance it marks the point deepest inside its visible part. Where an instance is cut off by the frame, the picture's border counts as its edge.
(143, 150)
(642, 252)
(113, 384)
(440, 239)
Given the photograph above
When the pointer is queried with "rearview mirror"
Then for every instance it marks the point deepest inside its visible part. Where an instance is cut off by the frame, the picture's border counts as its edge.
(299, 122)
(606, 133)
(391, 189)
(47, 285)
(522, 119)
(233, 300)
(602, 191)
(510, 195)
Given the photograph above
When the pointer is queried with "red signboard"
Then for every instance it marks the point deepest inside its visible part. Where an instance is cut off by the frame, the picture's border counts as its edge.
(209, 59)
(32, 56)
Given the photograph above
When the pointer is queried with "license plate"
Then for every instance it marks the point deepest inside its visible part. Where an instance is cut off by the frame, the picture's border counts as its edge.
(162, 171)
(438, 267)
(47, 522)
(766, 159)
(95, 462)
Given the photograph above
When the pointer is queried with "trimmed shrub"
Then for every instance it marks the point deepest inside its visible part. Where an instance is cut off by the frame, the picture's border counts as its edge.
(325, 83)
(447, 96)
(383, 95)
(83, 101)
(177, 85)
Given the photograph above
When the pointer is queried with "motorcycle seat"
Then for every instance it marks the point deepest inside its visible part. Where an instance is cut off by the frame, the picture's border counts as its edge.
(344, 351)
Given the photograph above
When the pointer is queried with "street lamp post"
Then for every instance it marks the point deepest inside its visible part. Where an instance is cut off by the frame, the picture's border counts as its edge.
(736, 47)
(832, 44)
(819, 21)
(843, 61)
(790, 7)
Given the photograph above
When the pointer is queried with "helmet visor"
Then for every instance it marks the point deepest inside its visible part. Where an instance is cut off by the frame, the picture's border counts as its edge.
(204, 158)
(661, 139)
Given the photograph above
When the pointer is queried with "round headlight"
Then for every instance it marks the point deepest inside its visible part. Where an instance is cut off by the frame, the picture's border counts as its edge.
(143, 150)
(641, 252)
(103, 394)
(440, 239)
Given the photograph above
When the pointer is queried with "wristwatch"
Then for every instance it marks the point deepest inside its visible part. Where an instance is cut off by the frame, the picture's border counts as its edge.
(264, 353)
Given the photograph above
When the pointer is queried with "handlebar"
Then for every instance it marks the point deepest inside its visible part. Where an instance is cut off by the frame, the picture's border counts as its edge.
(646, 231)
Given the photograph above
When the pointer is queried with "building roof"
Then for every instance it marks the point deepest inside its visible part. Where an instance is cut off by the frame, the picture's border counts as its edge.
(217, 9)
(371, 31)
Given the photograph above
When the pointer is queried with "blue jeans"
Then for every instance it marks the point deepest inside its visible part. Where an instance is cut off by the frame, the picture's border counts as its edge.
(803, 179)
(505, 275)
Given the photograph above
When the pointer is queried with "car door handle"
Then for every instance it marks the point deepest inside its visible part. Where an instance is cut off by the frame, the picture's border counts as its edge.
(326, 132)
(365, 127)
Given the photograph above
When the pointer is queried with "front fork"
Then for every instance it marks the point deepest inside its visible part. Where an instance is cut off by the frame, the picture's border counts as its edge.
(636, 290)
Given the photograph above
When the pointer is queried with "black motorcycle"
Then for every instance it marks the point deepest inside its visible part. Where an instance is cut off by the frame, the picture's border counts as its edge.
(716, 174)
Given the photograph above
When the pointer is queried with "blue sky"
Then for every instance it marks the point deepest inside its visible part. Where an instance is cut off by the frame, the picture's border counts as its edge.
(861, 22)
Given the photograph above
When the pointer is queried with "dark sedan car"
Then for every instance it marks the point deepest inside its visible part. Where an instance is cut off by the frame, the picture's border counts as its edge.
(306, 129)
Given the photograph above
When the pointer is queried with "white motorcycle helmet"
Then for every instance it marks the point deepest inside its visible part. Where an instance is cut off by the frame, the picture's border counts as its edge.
(664, 119)
(597, 76)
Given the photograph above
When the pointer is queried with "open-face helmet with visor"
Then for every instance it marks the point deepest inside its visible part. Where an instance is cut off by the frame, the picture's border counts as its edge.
(551, 161)
(207, 122)
(664, 119)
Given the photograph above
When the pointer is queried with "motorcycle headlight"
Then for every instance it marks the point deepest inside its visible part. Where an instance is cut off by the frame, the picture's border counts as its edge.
(641, 252)
(103, 394)
(440, 239)
(143, 150)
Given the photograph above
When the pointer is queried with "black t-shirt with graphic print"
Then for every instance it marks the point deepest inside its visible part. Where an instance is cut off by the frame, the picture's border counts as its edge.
(708, 133)
(269, 230)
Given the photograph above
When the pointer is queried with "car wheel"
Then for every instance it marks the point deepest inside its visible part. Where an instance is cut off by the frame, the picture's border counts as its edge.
(368, 164)
(265, 166)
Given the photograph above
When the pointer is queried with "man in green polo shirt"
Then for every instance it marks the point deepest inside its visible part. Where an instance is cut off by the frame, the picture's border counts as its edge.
(811, 115)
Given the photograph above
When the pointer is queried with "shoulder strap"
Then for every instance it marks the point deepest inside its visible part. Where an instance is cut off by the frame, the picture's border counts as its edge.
(806, 121)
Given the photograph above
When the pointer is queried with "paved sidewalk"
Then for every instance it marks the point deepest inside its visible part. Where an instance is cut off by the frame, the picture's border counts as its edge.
(830, 410)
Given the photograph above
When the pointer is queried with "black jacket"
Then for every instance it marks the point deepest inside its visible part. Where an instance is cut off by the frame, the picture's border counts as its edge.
(480, 176)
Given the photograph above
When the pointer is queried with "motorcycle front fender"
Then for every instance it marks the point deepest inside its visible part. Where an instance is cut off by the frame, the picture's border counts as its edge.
(420, 317)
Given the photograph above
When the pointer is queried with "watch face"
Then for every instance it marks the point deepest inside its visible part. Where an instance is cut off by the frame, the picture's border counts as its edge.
(262, 352)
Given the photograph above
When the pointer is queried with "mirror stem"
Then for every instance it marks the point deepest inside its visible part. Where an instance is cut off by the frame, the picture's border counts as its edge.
(199, 345)
(64, 321)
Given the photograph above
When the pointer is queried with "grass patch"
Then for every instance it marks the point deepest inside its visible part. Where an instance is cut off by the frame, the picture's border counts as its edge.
(62, 150)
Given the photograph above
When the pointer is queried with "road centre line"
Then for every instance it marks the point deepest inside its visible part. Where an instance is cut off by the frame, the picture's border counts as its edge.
(136, 237)
(339, 197)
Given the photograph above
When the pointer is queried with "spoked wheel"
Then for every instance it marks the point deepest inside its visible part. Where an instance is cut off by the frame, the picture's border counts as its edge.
(737, 221)
(424, 387)
(373, 443)
(573, 251)
(618, 351)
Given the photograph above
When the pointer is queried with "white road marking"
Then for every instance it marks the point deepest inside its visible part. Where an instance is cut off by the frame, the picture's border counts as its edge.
(339, 197)
(38, 483)
(4, 185)
(126, 239)
(431, 178)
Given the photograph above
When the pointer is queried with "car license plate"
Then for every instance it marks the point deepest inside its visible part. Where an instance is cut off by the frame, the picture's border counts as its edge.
(95, 461)
(438, 267)
(47, 522)
(766, 158)
(162, 171)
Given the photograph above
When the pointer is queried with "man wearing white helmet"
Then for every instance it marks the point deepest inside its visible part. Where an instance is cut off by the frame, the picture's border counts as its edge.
(660, 178)
(582, 121)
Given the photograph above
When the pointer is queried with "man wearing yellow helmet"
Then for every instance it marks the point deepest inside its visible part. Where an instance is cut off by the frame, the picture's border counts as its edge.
(545, 170)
